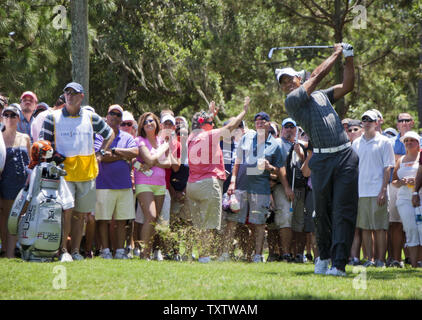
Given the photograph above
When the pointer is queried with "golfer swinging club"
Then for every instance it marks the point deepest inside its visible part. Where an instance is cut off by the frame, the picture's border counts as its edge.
(334, 164)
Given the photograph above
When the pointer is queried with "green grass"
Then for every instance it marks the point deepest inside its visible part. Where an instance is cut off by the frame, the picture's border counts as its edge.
(146, 280)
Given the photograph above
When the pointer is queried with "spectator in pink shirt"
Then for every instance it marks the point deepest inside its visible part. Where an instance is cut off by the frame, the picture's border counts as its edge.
(150, 182)
(207, 174)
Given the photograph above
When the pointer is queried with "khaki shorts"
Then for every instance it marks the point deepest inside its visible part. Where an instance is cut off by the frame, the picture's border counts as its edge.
(259, 207)
(283, 216)
(84, 194)
(163, 217)
(370, 215)
(114, 203)
(205, 200)
(394, 215)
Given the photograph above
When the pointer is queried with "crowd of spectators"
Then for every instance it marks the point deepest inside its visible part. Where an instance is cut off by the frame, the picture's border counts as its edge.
(157, 188)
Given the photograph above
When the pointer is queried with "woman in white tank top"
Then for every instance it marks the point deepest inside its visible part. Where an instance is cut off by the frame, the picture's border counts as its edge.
(404, 178)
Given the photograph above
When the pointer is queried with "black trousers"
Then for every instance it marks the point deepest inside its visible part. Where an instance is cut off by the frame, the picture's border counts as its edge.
(335, 191)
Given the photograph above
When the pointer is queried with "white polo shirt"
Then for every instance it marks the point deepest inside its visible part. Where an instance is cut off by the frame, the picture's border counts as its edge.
(374, 155)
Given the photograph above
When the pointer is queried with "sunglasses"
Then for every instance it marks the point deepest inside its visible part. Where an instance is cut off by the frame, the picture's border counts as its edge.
(207, 122)
(10, 115)
(404, 120)
(126, 124)
(289, 126)
(117, 114)
(71, 92)
(367, 120)
(410, 140)
(148, 121)
(353, 130)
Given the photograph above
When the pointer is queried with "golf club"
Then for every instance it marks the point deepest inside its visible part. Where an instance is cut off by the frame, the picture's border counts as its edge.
(270, 53)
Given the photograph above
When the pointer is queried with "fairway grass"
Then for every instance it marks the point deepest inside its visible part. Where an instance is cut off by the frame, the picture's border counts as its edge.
(99, 279)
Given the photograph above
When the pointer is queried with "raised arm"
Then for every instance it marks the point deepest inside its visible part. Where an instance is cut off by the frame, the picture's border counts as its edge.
(324, 68)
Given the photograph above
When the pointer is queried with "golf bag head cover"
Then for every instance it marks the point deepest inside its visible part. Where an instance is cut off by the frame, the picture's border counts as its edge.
(41, 151)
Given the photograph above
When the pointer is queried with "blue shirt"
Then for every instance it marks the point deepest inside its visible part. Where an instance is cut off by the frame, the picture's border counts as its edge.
(248, 153)
(24, 126)
(399, 147)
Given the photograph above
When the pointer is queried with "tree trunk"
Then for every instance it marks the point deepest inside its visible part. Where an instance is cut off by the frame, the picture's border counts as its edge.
(80, 45)
(120, 94)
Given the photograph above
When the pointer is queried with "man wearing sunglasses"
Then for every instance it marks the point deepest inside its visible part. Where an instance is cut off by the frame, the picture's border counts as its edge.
(376, 159)
(70, 131)
(354, 129)
(334, 164)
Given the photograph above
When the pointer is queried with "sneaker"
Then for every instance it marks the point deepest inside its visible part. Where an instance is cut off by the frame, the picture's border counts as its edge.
(89, 255)
(106, 254)
(379, 264)
(309, 257)
(129, 252)
(258, 258)
(177, 257)
(66, 257)
(354, 261)
(157, 255)
(335, 272)
(137, 252)
(419, 264)
(77, 256)
(407, 261)
(204, 259)
(121, 254)
(369, 263)
(396, 264)
(224, 257)
(321, 266)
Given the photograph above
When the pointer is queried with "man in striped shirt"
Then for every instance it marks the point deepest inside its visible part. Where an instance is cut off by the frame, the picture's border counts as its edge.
(71, 133)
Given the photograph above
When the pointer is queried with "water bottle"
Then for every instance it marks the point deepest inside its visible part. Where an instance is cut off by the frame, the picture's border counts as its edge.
(418, 215)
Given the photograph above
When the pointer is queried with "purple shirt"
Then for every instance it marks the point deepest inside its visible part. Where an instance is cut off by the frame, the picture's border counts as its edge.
(116, 174)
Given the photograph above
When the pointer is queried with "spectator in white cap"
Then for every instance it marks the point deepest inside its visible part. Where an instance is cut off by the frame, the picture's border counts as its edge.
(28, 104)
(376, 159)
(129, 124)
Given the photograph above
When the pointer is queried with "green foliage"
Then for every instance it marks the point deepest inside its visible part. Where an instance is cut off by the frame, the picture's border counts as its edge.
(151, 55)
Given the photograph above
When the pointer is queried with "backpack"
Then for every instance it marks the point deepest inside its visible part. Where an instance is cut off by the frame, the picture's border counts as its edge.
(293, 162)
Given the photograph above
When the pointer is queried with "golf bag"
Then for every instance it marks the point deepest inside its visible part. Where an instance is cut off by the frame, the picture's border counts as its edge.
(36, 214)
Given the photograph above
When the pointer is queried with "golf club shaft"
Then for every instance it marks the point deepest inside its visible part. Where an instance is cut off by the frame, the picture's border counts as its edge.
(270, 53)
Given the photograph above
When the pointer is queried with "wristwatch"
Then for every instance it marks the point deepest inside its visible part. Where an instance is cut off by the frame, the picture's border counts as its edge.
(102, 152)
(113, 151)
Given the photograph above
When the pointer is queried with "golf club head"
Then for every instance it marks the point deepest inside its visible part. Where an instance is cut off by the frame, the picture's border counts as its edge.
(270, 53)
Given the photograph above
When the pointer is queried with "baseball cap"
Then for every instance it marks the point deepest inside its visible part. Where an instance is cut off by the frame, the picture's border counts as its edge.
(354, 123)
(115, 107)
(391, 131)
(75, 86)
(127, 116)
(12, 108)
(410, 134)
(371, 114)
(168, 117)
(285, 71)
(378, 114)
(263, 115)
(29, 93)
(42, 106)
(288, 120)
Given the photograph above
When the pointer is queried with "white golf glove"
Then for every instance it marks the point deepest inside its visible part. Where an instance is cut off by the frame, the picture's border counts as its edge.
(347, 49)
